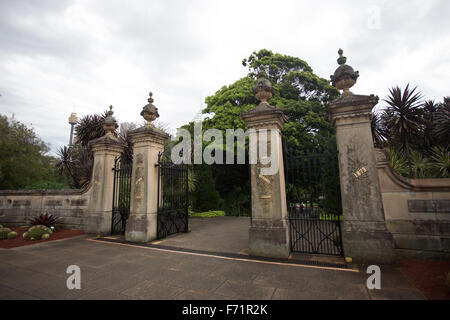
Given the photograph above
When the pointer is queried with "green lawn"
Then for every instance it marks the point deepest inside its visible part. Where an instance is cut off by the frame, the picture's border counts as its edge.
(207, 214)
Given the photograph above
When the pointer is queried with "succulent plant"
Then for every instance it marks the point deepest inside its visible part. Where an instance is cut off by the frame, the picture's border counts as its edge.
(4, 233)
(36, 232)
(45, 219)
(12, 235)
(45, 236)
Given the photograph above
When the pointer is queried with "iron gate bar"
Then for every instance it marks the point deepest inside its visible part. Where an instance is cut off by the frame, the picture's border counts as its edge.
(313, 199)
(173, 197)
(121, 195)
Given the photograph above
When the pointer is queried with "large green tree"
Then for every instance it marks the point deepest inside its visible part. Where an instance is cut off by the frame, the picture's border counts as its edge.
(302, 95)
(300, 92)
(24, 159)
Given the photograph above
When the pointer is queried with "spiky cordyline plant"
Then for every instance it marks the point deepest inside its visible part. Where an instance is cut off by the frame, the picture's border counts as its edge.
(45, 219)
(441, 122)
(404, 116)
(441, 160)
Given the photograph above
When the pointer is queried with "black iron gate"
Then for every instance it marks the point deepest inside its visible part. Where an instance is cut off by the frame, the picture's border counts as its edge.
(313, 199)
(121, 196)
(173, 197)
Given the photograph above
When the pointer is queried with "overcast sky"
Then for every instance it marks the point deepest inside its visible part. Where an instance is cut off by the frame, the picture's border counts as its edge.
(63, 56)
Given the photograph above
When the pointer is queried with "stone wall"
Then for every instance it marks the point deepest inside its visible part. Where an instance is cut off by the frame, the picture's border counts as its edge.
(417, 212)
(16, 206)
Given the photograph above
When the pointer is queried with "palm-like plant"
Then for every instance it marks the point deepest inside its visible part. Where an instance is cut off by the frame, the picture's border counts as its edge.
(404, 116)
(420, 164)
(442, 122)
(89, 127)
(441, 160)
(429, 112)
(378, 129)
(397, 162)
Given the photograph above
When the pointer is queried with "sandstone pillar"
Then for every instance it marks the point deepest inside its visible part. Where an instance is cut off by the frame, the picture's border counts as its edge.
(269, 230)
(147, 141)
(105, 150)
(364, 233)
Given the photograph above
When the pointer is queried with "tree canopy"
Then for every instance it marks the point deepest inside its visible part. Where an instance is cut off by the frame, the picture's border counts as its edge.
(300, 92)
(302, 95)
(24, 159)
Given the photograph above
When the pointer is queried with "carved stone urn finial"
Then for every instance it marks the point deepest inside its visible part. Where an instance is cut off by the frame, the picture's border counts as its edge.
(150, 112)
(263, 89)
(110, 124)
(344, 77)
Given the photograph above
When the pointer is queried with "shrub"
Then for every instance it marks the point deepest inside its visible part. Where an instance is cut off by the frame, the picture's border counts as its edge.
(205, 196)
(4, 233)
(12, 235)
(36, 232)
(45, 219)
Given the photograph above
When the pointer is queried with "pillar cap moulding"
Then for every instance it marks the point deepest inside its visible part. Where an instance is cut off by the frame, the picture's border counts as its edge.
(109, 140)
(264, 115)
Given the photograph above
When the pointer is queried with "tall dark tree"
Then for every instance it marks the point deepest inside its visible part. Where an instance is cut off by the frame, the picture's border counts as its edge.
(404, 117)
(428, 116)
(442, 122)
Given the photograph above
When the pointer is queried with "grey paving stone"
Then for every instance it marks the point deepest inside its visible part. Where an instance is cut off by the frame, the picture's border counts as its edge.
(152, 291)
(103, 294)
(396, 294)
(200, 295)
(7, 293)
(245, 290)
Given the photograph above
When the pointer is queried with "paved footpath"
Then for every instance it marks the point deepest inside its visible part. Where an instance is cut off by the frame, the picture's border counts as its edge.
(114, 271)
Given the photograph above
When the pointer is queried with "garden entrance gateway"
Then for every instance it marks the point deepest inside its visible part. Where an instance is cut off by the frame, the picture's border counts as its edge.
(121, 195)
(313, 199)
(173, 197)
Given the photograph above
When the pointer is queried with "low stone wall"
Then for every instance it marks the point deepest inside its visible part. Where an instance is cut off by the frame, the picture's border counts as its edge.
(16, 206)
(417, 212)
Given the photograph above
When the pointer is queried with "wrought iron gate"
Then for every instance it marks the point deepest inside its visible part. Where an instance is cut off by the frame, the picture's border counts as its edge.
(173, 197)
(313, 199)
(121, 196)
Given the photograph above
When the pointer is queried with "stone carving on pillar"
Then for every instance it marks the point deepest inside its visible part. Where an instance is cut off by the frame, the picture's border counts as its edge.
(105, 150)
(269, 231)
(365, 236)
(147, 141)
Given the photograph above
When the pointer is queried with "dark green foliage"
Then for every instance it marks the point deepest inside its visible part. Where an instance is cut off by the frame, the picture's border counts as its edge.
(415, 133)
(403, 117)
(205, 197)
(76, 163)
(24, 163)
(441, 126)
(301, 94)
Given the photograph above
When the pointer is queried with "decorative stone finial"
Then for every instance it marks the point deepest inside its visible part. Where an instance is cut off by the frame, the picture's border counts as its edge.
(344, 77)
(150, 112)
(263, 89)
(110, 124)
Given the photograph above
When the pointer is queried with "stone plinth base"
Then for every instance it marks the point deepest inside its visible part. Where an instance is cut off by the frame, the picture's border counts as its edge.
(141, 227)
(98, 223)
(270, 242)
(369, 247)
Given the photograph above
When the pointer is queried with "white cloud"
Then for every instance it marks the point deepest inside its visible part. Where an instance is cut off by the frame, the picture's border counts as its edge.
(57, 57)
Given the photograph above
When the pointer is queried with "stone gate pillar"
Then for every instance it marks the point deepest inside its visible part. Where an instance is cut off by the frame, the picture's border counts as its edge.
(269, 231)
(105, 150)
(147, 141)
(364, 233)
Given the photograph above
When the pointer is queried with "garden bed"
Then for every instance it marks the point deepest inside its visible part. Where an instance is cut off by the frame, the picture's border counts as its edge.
(427, 276)
(19, 241)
